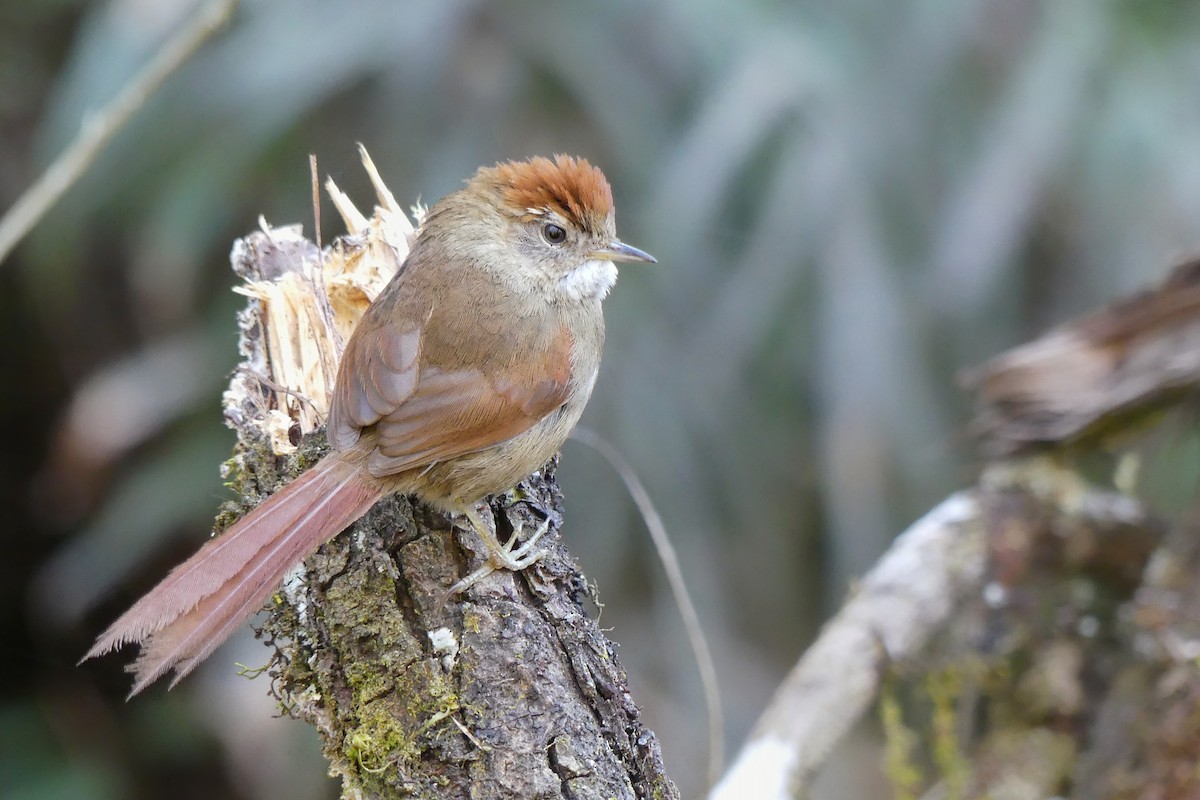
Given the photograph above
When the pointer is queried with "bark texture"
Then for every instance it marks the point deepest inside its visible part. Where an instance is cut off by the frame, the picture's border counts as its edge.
(509, 690)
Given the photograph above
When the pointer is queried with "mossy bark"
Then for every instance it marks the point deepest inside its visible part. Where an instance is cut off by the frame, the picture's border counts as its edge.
(1058, 678)
(508, 690)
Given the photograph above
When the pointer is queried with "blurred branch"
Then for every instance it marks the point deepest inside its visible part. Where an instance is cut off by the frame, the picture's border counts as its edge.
(1027, 520)
(911, 595)
(900, 604)
(100, 127)
(1097, 377)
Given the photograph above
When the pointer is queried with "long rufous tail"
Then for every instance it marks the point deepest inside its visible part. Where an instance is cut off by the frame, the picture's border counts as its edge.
(203, 600)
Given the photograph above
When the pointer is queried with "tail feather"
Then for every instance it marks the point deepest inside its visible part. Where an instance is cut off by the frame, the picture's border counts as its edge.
(202, 601)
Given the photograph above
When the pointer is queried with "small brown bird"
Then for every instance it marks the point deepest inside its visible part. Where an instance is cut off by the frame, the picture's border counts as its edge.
(465, 375)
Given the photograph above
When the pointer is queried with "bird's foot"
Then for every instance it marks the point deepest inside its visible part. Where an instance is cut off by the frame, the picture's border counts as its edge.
(510, 555)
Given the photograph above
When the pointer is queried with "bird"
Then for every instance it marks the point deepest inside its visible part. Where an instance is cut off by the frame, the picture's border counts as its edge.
(464, 376)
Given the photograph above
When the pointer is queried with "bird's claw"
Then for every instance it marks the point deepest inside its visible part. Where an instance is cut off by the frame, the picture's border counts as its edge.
(509, 556)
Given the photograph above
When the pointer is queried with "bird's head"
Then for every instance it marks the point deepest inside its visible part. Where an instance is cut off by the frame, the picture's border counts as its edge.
(552, 219)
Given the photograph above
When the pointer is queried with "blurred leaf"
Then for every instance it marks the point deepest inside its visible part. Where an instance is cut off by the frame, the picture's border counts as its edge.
(176, 488)
(34, 768)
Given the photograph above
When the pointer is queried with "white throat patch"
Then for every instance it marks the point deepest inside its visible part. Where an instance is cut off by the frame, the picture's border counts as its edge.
(591, 279)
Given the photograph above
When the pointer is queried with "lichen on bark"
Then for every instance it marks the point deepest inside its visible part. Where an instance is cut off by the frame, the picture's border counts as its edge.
(508, 690)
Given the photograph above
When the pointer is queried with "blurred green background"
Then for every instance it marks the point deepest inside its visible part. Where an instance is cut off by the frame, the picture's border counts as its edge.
(849, 203)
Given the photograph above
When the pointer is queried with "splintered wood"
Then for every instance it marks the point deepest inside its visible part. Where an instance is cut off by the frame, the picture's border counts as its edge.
(309, 302)
(389, 717)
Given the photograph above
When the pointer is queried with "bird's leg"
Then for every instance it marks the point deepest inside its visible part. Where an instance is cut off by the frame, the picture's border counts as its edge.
(510, 556)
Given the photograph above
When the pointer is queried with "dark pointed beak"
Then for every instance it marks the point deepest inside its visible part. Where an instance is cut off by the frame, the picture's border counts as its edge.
(619, 251)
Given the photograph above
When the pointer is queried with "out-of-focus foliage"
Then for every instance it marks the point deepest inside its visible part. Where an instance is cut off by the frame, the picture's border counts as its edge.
(848, 201)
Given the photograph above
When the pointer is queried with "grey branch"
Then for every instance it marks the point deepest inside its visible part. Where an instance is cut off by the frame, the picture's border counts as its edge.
(899, 605)
(1033, 529)
(101, 126)
(932, 578)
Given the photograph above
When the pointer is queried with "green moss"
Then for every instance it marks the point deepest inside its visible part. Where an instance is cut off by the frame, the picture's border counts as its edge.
(398, 696)
(899, 747)
(385, 736)
(661, 789)
(945, 687)
(937, 698)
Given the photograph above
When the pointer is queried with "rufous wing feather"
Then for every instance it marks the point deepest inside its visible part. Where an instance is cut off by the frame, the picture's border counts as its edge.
(426, 402)
(378, 373)
(453, 413)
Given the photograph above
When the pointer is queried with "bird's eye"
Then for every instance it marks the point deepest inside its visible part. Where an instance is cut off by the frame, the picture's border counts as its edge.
(554, 234)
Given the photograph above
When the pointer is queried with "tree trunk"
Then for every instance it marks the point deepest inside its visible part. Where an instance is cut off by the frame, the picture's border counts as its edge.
(508, 690)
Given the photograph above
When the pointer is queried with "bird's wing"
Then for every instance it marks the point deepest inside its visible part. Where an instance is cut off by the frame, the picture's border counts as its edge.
(423, 411)
(378, 373)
